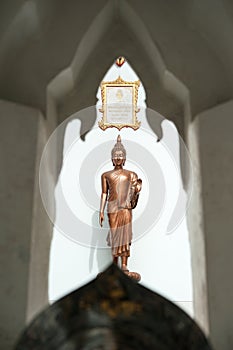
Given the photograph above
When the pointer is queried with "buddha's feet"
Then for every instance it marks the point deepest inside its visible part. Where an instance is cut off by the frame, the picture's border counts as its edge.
(134, 275)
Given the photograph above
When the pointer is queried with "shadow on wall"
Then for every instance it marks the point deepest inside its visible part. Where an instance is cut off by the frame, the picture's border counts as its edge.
(102, 254)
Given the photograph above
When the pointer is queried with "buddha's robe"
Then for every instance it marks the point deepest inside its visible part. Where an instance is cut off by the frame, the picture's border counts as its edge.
(119, 185)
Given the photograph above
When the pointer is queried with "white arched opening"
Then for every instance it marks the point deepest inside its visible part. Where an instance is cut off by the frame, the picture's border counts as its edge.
(162, 259)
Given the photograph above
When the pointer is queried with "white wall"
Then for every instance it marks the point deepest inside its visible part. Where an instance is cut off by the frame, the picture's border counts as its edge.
(18, 149)
(163, 260)
(214, 132)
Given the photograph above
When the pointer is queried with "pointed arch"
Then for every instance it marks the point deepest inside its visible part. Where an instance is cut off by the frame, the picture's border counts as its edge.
(110, 35)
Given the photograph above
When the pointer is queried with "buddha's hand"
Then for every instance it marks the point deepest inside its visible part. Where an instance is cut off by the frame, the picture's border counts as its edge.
(139, 185)
(101, 219)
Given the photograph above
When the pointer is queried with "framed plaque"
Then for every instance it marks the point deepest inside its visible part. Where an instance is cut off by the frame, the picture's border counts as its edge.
(119, 104)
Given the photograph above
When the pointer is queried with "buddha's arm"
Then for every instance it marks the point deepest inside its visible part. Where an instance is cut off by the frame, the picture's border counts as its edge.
(103, 199)
(136, 185)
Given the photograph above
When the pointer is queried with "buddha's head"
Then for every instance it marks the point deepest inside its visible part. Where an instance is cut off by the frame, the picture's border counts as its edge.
(118, 153)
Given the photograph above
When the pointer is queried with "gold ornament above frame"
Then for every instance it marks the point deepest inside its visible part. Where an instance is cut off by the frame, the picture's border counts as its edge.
(119, 104)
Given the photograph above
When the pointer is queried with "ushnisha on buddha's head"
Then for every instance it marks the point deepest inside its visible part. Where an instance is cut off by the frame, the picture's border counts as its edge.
(118, 153)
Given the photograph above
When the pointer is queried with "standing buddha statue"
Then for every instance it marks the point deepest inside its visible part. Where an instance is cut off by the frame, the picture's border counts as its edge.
(120, 188)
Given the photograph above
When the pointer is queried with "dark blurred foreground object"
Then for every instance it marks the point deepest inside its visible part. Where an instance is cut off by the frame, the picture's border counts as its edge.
(112, 312)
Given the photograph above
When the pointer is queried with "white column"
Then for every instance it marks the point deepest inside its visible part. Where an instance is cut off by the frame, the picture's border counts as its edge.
(214, 217)
(20, 129)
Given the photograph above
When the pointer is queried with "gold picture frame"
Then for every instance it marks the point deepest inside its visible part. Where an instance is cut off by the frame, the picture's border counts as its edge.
(119, 104)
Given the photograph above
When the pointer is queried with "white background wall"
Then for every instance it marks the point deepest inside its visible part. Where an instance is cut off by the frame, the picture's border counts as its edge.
(162, 259)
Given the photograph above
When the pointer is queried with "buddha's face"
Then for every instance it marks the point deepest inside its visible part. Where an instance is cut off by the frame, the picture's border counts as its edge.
(118, 158)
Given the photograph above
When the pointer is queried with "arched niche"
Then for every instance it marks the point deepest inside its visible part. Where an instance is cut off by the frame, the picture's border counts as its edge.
(158, 272)
(109, 36)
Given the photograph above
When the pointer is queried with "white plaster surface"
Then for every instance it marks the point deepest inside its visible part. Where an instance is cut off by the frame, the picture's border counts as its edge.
(18, 149)
(163, 260)
(216, 154)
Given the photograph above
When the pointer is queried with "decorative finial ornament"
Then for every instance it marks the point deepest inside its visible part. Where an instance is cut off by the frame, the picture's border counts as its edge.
(120, 61)
(113, 312)
(118, 147)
